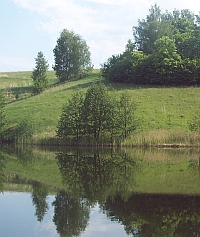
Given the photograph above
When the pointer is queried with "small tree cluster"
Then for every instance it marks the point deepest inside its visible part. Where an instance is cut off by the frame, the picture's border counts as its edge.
(72, 60)
(97, 115)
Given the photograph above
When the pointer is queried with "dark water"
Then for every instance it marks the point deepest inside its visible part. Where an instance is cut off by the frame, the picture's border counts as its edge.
(143, 193)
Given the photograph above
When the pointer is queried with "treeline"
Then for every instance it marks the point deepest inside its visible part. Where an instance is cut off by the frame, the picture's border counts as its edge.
(165, 51)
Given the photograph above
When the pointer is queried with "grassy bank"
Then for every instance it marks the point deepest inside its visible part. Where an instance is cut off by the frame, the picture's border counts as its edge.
(163, 113)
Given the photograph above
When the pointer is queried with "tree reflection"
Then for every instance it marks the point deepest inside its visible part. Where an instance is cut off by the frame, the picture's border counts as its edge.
(23, 153)
(146, 215)
(194, 167)
(97, 175)
(71, 215)
(39, 195)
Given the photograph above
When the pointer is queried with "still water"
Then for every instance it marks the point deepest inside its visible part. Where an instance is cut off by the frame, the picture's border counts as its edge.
(146, 193)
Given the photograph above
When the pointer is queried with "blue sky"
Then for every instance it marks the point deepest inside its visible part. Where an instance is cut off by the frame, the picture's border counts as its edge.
(30, 26)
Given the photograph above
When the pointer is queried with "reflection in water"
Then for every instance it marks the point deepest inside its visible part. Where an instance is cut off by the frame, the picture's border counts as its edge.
(109, 179)
(24, 154)
(71, 215)
(39, 195)
(157, 215)
(194, 166)
(97, 176)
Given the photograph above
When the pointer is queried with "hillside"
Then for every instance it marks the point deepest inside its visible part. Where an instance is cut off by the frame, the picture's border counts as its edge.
(161, 111)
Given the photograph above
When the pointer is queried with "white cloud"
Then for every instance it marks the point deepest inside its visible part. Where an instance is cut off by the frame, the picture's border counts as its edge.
(106, 25)
(110, 2)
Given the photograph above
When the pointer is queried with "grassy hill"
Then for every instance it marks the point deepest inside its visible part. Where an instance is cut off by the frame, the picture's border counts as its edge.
(163, 112)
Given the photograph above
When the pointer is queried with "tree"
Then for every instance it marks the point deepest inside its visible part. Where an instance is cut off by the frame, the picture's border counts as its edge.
(96, 110)
(71, 120)
(40, 81)
(168, 67)
(150, 29)
(119, 68)
(25, 130)
(97, 115)
(126, 116)
(72, 56)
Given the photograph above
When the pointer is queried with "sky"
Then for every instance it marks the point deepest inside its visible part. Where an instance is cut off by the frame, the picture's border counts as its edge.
(30, 26)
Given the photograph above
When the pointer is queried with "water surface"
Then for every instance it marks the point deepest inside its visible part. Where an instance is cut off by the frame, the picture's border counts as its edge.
(83, 193)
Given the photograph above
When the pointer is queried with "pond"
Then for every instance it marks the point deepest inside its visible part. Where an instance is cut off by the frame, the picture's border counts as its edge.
(99, 192)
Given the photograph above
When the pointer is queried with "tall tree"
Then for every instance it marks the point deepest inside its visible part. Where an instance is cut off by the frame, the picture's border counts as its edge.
(126, 116)
(96, 110)
(71, 120)
(40, 81)
(150, 29)
(71, 55)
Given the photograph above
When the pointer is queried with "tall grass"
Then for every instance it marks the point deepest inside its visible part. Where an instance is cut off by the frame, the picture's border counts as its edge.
(163, 138)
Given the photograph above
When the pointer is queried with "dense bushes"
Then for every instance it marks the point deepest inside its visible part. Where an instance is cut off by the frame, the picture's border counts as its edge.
(163, 67)
(165, 51)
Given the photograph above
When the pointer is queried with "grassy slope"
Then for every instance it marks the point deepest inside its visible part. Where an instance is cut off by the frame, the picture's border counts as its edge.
(167, 109)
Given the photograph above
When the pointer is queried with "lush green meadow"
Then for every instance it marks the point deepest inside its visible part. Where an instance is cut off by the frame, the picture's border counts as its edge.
(163, 112)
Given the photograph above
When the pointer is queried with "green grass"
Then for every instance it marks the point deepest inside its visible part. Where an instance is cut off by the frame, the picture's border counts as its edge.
(19, 84)
(163, 112)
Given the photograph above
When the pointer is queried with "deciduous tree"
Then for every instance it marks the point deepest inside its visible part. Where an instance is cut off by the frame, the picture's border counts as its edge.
(71, 121)
(96, 110)
(72, 56)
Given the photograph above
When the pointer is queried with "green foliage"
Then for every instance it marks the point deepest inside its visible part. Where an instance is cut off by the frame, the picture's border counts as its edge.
(40, 81)
(150, 29)
(96, 110)
(72, 56)
(126, 117)
(163, 67)
(25, 130)
(119, 68)
(71, 120)
(155, 106)
(97, 115)
(166, 51)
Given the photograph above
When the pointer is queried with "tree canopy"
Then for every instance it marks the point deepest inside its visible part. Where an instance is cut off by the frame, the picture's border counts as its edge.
(72, 56)
(97, 115)
(165, 51)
